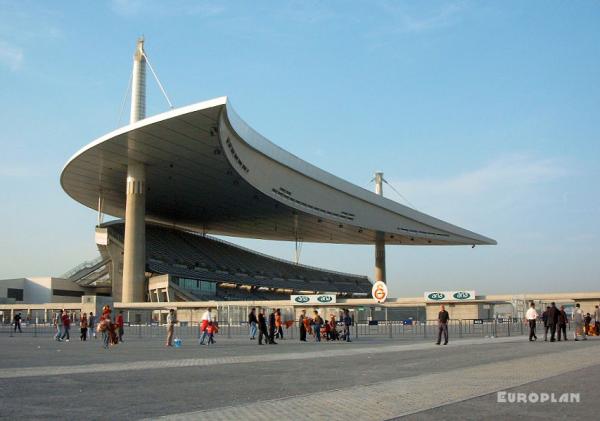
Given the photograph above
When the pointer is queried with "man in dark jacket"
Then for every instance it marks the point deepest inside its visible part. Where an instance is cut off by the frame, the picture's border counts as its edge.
(17, 320)
(443, 318)
(546, 325)
(272, 327)
(252, 323)
(262, 327)
(553, 313)
(347, 323)
(562, 322)
(302, 327)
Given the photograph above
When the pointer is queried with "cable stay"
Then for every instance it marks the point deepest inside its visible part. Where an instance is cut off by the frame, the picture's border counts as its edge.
(125, 96)
(399, 194)
(396, 191)
(162, 89)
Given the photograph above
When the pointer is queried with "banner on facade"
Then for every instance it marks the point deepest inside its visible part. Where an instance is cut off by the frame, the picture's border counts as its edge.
(313, 299)
(449, 296)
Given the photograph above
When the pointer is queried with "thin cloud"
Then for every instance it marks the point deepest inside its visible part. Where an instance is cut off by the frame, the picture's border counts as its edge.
(132, 8)
(11, 56)
(503, 179)
(446, 16)
(19, 171)
(508, 172)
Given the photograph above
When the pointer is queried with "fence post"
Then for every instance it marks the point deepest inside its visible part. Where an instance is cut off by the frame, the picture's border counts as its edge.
(139, 329)
(521, 326)
(460, 329)
(390, 329)
(355, 330)
(509, 327)
(228, 329)
(495, 328)
(425, 330)
(35, 330)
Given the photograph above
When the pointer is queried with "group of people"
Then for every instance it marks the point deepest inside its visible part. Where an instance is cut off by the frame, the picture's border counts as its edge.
(314, 326)
(112, 331)
(266, 331)
(268, 328)
(208, 328)
(317, 327)
(555, 321)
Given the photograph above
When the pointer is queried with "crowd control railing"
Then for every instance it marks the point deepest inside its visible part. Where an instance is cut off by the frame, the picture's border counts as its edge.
(407, 329)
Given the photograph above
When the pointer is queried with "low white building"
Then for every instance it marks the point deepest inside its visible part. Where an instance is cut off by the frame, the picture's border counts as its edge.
(39, 290)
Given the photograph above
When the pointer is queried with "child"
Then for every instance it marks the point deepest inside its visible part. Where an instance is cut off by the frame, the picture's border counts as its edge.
(211, 329)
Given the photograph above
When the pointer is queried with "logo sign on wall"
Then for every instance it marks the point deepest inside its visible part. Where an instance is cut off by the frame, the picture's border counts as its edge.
(379, 292)
(313, 299)
(449, 295)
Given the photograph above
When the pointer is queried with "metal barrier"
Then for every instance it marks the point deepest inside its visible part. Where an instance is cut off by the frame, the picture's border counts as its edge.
(465, 328)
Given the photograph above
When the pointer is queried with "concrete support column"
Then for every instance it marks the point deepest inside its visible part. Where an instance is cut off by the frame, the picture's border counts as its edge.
(138, 84)
(379, 256)
(379, 237)
(134, 253)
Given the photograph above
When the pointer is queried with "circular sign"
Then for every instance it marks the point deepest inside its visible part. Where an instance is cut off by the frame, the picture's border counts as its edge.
(379, 291)
(462, 295)
(302, 299)
(436, 296)
(324, 299)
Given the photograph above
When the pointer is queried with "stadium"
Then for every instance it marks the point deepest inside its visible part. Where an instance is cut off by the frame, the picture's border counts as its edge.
(180, 177)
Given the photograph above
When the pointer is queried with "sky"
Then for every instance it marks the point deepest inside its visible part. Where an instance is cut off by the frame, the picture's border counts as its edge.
(484, 114)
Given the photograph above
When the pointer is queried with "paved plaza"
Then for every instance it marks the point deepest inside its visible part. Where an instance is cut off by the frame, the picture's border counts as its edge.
(369, 379)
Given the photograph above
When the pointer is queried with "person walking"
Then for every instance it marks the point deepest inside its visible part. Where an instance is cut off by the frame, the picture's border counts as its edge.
(17, 321)
(443, 318)
(301, 325)
(553, 314)
(562, 323)
(120, 324)
(171, 321)
(597, 320)
(66, 322)
(578, 322)
(347, 323)
(317, 322)
(262, 327)
(272, 328)
(83, 326)
(91, 326)
(587, 320)
(104, 328)
(204, 322)
(333, 333)
(252, 323)
(278, 324)
(58, 324)
(211, 329)
(532, 316)
(545, 321)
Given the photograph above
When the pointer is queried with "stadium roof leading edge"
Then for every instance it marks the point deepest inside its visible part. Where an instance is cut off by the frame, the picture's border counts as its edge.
(208, 171)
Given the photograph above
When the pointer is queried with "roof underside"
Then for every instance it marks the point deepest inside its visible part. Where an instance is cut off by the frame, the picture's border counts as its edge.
(207, 171)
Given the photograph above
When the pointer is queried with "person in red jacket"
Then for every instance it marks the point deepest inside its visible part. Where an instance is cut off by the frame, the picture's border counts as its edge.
(211, 329)
(66, 320)
(119, 323)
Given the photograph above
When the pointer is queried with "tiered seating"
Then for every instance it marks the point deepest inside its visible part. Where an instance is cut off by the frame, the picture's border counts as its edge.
(194, 256)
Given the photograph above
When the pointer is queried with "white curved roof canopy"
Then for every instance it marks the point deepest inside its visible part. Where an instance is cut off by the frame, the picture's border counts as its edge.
(208, 171)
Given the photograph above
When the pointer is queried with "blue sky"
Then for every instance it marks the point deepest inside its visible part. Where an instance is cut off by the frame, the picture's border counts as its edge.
(485, 114)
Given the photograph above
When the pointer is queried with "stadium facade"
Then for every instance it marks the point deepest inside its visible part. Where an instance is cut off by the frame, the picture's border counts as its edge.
(201, 170)
(178, 178)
